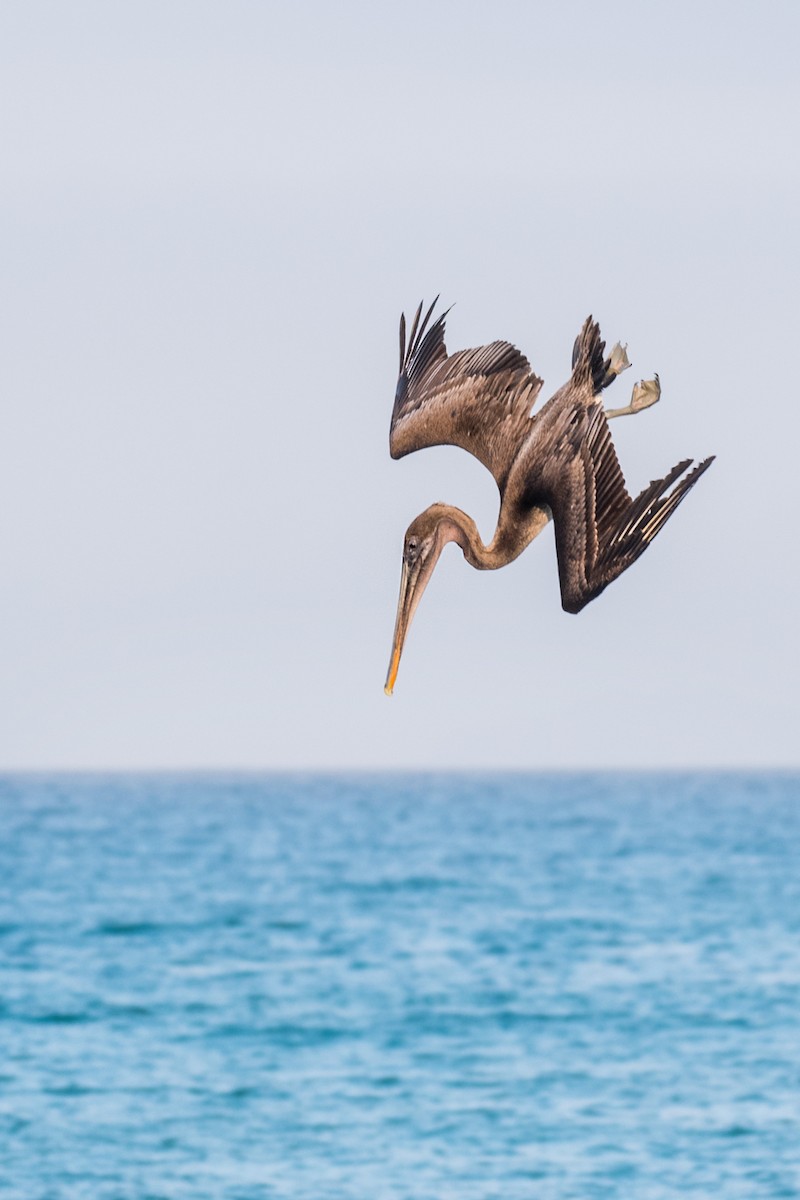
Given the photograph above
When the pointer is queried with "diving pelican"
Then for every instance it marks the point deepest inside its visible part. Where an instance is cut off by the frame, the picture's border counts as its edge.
(559, 462)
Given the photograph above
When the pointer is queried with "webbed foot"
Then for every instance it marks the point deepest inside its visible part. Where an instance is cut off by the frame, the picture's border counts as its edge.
(645, 393)
(618, 360)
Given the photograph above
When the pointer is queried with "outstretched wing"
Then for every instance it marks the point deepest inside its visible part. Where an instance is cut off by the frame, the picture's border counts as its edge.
(478, 399)
(600, 529)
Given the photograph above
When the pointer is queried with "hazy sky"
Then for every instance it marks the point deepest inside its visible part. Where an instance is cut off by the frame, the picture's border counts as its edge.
(212, 215)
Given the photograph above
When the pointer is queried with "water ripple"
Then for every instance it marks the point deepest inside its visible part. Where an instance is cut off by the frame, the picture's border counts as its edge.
(402, 987)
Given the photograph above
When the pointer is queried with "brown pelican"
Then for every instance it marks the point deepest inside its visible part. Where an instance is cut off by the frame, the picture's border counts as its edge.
(559, 463)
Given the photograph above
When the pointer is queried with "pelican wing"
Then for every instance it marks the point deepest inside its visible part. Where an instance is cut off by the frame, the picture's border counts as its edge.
(479, 399)
(600, 529)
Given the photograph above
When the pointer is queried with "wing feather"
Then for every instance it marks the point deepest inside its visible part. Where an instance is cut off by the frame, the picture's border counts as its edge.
(479, 399)
(600, 529)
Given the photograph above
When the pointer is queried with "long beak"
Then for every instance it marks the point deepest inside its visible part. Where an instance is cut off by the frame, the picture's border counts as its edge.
(412, 585)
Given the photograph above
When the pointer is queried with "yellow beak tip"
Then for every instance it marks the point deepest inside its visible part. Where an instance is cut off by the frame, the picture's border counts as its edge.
(388, 690)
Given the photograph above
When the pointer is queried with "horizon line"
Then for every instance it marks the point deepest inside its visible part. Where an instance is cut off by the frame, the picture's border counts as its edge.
(542, 769)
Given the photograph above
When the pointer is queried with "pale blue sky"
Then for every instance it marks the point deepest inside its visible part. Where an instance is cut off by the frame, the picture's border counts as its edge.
(212, 215)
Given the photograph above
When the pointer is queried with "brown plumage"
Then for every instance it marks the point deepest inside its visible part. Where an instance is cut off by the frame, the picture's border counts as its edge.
(559, 462)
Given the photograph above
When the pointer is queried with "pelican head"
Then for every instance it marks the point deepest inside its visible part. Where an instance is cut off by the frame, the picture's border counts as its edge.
(426, 537)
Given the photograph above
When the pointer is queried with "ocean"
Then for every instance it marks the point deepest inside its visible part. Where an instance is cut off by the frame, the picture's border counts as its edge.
(427, 987)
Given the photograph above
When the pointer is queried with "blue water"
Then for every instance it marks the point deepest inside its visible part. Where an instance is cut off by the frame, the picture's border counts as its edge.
(434, 988)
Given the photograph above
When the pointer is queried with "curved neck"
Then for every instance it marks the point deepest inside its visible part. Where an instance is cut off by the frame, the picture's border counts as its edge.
(510, 538)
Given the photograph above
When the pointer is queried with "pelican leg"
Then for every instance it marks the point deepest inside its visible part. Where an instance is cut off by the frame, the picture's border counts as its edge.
(644, 394)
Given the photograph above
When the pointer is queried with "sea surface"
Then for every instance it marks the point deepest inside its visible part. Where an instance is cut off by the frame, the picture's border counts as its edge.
(381, 987)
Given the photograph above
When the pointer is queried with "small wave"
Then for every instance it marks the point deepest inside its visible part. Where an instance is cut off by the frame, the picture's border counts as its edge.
(95, 1010)
(411, 884)
(240, 1093)
(70, 1089)
(59, 1018)
(134, 1011)
(127, 928)
(284, 1034)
